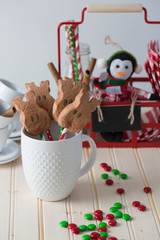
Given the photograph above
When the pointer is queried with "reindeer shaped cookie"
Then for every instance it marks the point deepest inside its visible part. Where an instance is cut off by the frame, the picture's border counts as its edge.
(74, 117)
(67, 91)
(34, 118)
(42, 93)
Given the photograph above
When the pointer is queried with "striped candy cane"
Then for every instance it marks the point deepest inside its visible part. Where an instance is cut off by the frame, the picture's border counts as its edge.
(63, 135)
(69, 50)
(73, 51)
(76, 32)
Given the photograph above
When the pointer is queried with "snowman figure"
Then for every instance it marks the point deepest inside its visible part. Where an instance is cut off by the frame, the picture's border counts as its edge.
(119, 68)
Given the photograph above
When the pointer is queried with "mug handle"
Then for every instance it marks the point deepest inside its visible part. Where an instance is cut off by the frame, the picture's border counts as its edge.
(92, 157)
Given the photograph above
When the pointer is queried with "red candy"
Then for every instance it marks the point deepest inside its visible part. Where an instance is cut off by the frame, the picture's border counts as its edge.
(75, 230)
(107, 168)
(112, 222)
(112, 238)
(120, 190)
(147, 189)
(109, 182)
(94, 235)
(103, 165)
(110, 216)
(136, 203)
(99, 217)
(101, 238)
(142, 208)
(98, 212)
(102, 229)
(71, 225)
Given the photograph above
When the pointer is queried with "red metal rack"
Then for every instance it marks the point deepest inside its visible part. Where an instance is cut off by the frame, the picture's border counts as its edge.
(117, 8)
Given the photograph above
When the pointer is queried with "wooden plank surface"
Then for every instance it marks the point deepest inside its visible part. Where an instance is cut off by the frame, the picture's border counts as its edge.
(25, 217)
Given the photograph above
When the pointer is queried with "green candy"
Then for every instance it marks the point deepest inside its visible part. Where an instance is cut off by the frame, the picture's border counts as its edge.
(91, 226)
(83, 227)
(102, 224)
(113, 209)
(123, 176)
(103, 234)
(86, 237)
(104, 176)
(88, 216)
(63, 224)
(115, 171)
(118, 205)
(118, 214)
(126, 217)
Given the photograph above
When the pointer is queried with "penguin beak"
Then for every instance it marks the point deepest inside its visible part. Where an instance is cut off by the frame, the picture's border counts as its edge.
(121, 73)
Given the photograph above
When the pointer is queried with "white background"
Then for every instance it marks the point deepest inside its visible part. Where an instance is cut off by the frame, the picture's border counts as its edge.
(28, 34)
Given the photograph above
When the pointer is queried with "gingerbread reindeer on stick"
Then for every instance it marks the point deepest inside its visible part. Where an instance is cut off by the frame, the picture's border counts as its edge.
(34, 118)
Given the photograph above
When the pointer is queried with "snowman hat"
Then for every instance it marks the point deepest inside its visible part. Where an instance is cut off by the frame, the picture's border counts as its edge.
(123, 55)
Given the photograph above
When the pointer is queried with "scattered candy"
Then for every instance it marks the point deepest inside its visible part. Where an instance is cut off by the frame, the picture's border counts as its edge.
(103, 165)
(110, 216)
(136, 203)
(109, 182)
(71, 225)
(102, 229)
(98, 212)
(126, 217)
(112, 222)
(94, 235)
(101, 238)
(115, 171)
(118, 205)
(102, 224)
(91, 226)
(86, 237)
(63, 224)
(118, 214)
(103, 234)
(104, 176)
(99, 217)
(147, 189)
(83, 227)
(88, 216)
(112, 238)
(142, 208)
(113, 209)
(123, 176)
(75, 230)
(107, 168)
(120, 190)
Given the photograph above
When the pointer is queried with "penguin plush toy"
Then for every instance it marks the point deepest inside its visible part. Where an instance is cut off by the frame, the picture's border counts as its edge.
(120, 66)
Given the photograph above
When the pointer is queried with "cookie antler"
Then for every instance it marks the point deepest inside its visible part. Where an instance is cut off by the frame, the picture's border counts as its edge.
(31, 86)
(18, 104)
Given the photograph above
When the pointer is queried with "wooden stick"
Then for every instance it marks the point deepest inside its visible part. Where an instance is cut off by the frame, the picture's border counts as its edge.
(9, 112)
(88, 73)
(54, 72)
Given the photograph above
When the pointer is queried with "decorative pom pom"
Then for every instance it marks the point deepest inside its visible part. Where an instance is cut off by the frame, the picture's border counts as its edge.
(138, 69)
(101, 63)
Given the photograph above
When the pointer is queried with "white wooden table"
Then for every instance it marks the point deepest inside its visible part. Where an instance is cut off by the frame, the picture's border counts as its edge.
(24, 217)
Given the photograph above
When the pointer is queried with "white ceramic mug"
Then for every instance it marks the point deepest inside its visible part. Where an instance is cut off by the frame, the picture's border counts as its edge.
(4, 121)
(52, 168)
(9, 91)
(4, 135)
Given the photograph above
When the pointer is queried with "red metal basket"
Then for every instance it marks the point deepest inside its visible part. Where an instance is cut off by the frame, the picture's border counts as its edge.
(133, 142)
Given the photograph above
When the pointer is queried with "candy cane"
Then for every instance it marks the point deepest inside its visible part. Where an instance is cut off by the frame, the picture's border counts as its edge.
(76, 32)
(63, 135)
(69, 50)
